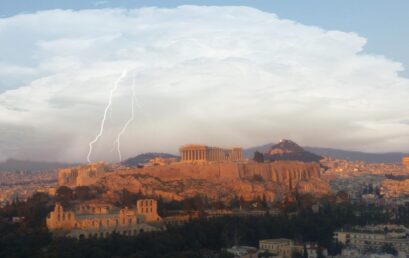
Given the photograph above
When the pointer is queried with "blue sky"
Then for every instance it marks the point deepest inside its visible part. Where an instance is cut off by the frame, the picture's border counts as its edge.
(223, 73)
(385, 23)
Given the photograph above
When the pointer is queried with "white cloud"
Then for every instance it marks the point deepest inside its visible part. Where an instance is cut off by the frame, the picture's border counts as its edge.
(216, 75)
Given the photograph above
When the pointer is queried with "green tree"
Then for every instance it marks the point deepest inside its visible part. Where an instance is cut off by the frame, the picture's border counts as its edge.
(258, 157)
(83, 193)
(225, 254)
(297, 255)
(64, 194)
(389, 249)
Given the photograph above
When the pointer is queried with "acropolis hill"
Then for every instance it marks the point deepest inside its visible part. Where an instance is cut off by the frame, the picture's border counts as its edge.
(220, 174)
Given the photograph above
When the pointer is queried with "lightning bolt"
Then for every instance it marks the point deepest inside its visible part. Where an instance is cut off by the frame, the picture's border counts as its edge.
(101, 129)
(131, 118)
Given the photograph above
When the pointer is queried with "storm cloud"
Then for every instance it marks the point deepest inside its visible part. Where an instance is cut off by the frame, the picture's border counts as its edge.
(216, 75)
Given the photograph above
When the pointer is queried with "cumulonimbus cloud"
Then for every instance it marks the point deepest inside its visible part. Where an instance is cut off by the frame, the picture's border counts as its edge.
(217, 75)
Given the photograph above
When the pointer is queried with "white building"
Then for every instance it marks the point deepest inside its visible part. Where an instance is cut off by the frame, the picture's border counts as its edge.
(243, 251)
(369, 239)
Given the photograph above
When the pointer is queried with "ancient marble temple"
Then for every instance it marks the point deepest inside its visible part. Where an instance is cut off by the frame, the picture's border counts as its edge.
(197, 152)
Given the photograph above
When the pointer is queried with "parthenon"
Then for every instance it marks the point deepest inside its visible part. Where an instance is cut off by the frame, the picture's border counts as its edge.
(197, 152)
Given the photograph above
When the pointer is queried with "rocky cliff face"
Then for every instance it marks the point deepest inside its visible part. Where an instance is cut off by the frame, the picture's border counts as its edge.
(219, 181)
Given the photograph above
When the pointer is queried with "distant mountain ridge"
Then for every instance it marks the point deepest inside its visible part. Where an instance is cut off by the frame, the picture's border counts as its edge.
(289, 150)
(284, 147)
(387, 157)
(27, 165)
(145, 157)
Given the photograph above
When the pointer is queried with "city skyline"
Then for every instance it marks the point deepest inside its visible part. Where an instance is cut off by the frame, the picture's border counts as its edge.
(217, 75)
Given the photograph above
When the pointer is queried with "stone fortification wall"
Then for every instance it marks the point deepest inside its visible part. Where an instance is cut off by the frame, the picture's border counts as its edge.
(81, 175)
(288, 172)
(218, 180)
